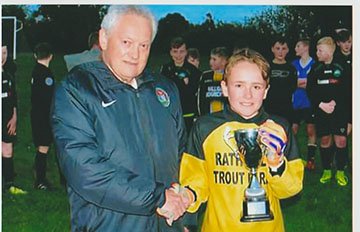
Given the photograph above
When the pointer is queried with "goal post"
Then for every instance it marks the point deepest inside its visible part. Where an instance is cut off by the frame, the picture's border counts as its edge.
(10, 25)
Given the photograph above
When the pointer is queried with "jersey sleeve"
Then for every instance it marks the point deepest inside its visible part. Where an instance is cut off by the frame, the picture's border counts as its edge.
(193, 170)
(290, 182)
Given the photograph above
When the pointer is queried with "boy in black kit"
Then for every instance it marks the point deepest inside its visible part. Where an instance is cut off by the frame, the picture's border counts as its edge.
(344, 55)
(42, 90)
(9, 119)
(283, 82)
(327, 83)
(186, 77)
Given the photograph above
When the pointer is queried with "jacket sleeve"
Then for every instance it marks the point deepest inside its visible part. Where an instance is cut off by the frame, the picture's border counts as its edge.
(290, 182)
(193, 170)
(88, 172)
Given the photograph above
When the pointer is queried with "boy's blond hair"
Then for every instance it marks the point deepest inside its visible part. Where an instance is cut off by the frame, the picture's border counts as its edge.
(250, 56)
(327, 40)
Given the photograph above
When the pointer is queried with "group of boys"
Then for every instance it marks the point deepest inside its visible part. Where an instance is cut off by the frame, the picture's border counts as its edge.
(290, 95)
(234, 92)
(42, 89)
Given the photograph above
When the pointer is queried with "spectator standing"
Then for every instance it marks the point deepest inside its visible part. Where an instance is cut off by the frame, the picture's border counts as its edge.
(283, 82)
(93, 54)
(303, 111)
(193, 57)
(9, 120)
(186, 77)
(42, 91)
(210, 97)
(327, 88)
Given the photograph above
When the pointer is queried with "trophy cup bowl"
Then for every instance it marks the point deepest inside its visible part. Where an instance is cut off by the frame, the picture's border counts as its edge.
(255, 205)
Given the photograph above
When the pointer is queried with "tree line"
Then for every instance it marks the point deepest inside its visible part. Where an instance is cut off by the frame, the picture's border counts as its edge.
(67, 27)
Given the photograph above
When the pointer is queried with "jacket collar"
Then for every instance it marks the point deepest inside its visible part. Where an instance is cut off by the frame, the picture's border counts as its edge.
(230, 115)
(109, 81)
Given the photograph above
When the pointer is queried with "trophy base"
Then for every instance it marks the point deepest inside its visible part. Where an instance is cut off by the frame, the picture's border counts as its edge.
(256, 211)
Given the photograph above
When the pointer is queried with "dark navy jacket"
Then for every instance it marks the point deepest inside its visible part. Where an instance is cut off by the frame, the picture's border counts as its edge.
(118, 147)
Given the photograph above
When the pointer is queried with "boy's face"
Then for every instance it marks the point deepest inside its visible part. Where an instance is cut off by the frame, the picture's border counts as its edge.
(301, 48)
(245, 89)
(4, 54)
(324, 53)
(280, 51)
(178, 55)
(194, 61)
(217, 62)
(345, 47)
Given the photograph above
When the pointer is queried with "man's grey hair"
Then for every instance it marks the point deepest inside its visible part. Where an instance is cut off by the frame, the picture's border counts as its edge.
(116, 11)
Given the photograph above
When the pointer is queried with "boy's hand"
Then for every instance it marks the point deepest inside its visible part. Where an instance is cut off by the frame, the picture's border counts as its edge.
(327, 107)
(183, 198)
(273, 136)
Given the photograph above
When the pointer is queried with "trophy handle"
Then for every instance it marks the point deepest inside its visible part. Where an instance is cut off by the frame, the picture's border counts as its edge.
(227, 136)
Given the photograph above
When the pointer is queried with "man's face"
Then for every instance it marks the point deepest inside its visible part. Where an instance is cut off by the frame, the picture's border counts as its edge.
(178, 55)
(245, 89)
(345, 47)
(4, 54)
(280, 51)
(194, 61)
(217, 62)
(301, 48)
(324, 53)
(126, 47)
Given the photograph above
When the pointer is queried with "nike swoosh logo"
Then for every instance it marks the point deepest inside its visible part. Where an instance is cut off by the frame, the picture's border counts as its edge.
(106, 104)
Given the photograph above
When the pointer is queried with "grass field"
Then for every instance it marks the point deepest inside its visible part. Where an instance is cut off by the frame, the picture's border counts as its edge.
(325, 208)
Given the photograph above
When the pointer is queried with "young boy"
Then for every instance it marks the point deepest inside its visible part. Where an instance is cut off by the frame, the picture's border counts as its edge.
(210, 98)
(9, 118)
(301, 103)
(344, 55)
(42, 90)
(186, 77)
(193, 57)
(327, 88)
(283, 82)
(209, 168)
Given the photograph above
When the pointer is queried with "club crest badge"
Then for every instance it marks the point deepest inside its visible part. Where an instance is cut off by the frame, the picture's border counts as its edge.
(49, 81)
(337, 73)
(162, 96)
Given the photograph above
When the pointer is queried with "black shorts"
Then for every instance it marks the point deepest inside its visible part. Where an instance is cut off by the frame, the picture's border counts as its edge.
(41, 131)
(307, 115)
(330, 124)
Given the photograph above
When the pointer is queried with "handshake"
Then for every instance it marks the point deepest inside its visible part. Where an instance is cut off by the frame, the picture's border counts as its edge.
(177, 200)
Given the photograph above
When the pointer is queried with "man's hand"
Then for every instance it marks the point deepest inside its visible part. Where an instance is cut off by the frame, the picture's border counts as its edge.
(328, 107)
(177, 200)
(274, 138)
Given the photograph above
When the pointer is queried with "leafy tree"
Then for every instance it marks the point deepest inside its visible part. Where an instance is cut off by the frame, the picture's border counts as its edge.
(170, 26)
(66, 27)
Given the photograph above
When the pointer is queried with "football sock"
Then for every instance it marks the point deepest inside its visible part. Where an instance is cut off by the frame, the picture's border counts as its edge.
(40, 166)
(326, 155)
(8, 170)
(340, 157)
(311, 151)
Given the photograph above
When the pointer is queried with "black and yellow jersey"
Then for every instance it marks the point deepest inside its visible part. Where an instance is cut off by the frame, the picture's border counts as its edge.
(210, 98)
(210, 168)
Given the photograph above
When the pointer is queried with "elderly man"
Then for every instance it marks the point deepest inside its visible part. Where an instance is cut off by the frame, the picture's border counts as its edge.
(120, 133)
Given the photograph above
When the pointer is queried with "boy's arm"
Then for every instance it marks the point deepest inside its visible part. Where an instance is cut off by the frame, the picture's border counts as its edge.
(193, 171)
(285, 172)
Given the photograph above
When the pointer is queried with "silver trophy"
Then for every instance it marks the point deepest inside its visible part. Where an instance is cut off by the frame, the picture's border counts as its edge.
(255, 205)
